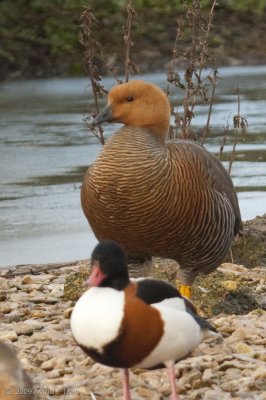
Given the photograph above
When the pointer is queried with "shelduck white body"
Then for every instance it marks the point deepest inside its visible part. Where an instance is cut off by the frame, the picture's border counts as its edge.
(97, 316)
(98, 319)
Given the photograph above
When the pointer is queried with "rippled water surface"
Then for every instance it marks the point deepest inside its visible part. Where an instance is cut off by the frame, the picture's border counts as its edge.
(45, 148)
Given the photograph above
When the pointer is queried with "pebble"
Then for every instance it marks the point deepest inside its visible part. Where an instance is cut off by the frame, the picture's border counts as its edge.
(5, 308)
(230, 285)
(27, 280)
(35, 320)
(241, 347)
(48, 365)
(28, 327)
(7, 336)
(4, 285)
(208, 376)
(55, 373)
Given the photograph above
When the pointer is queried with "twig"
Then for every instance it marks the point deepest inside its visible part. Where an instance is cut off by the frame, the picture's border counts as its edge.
(213, 79)
(194, 84)
(203, 57)
(240, 125)
(88, 23)
(110, 68)
(226, 130)
(92, 396)
(130, 66)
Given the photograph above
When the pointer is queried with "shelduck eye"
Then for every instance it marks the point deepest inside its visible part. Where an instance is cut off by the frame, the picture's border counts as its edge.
(130, 98)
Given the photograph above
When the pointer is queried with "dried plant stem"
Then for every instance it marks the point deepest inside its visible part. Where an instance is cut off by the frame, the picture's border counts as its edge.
(127, 39)
(240, 124)
(130, 66)
(202, 64)
(110, 68)
(194, 84)
(226, 130)
(88, 23)
(233, 154)
(236, 134)
(213, 79)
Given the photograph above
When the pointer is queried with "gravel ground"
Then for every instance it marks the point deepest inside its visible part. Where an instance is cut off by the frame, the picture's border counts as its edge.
(35, 321)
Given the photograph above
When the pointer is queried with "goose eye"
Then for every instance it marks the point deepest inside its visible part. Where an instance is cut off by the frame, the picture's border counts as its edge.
(130, 98)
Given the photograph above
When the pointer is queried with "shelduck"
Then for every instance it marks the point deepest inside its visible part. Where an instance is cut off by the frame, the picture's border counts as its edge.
(142, 323)
(159, 197)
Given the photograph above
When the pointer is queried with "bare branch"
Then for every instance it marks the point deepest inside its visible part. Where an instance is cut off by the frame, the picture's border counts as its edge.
(194, 85)
(213, 79)
(130, 66)
(226, 130)
(88, 23)
(240, 125)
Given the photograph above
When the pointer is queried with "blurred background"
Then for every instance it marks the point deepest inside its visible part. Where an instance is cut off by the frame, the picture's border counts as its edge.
(45, 146)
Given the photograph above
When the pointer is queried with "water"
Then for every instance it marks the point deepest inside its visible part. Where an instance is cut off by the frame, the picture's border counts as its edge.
(45, 149)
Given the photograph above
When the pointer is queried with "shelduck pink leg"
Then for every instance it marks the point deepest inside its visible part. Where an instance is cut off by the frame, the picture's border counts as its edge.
(171, 376)
(125, 380)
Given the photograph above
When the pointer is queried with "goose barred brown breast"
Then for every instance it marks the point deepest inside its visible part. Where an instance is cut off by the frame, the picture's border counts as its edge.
(159, 197)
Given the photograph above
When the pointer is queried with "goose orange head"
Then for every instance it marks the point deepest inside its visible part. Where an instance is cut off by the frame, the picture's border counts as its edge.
(138, 103)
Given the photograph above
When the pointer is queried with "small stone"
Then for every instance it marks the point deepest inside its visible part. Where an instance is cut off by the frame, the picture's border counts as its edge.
(4, 284)
(260, 373)
(237, 335)
(40, 359)
(8, 336)
(61, 363)
(262, 357)
(233, 373)
(241, 347)
(231, 386)
(197, 383)
(3, 296)
(4, 272)
(68, 370)
(208, 375)
(53, 374)
(15, 316)
(48, 365)
(145, 393)
(68, 312)
(38, 314)
(43, 279)
(84, 391)
(57, 290)
(37, 297)
(27, 280)
(230, 285)
(50, 300)
(5, 309)
(235, 269)
(28, 327)
(188, 379)
(214, 395)
(40, 337)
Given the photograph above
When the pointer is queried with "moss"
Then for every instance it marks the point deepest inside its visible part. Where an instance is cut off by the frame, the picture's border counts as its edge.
(74, 284)
(250, 250)
(212, 293)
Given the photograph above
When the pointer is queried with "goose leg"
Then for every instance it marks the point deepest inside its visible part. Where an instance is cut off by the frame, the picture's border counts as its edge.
(171, 376)
(125, 380)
